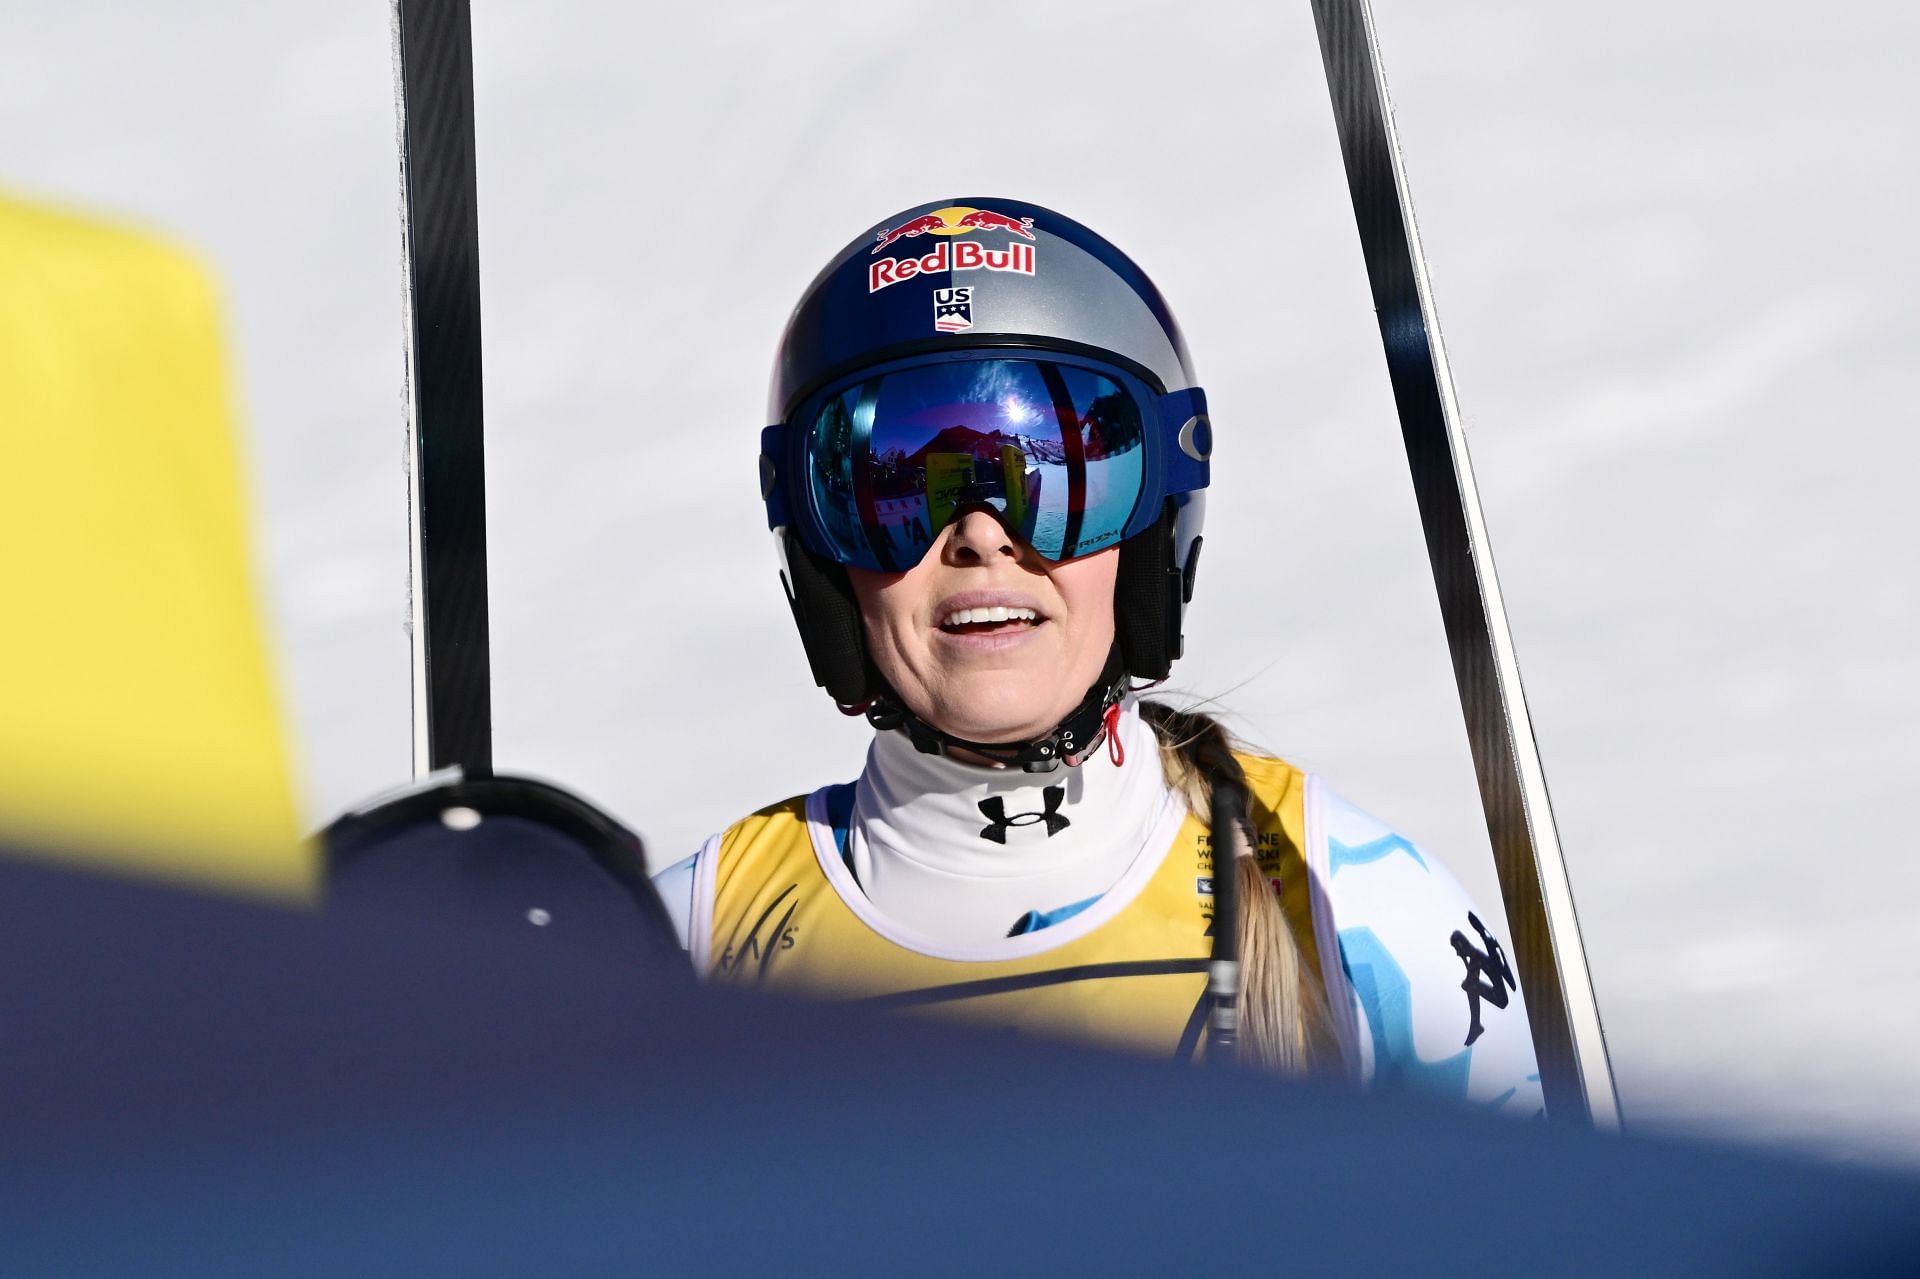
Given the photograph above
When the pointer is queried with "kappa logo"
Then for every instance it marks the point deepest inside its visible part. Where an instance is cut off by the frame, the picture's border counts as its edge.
(994, 809)
(1488, 976)
(761, 952)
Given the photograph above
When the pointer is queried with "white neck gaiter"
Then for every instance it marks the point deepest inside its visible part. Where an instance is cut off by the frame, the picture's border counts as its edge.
(958, 853)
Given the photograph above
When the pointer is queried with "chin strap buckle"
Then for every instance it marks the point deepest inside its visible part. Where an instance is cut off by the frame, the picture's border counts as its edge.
(1076, 737)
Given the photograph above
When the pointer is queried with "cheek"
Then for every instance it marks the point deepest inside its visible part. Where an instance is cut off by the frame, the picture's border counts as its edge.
(1087, 588)
(886, 615)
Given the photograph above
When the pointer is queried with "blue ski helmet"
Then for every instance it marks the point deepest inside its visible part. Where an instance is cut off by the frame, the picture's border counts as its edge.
(971, 352)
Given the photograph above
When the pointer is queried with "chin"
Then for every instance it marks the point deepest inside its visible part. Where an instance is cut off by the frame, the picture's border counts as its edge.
(999, 710)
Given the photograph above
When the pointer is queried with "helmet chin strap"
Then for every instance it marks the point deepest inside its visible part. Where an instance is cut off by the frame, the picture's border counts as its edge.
(1070, 741)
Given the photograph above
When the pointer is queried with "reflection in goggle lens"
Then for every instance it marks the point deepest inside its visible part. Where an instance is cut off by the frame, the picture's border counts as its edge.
(1055, 449)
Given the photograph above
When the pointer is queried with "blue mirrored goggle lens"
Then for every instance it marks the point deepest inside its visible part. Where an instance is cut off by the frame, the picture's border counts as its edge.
(1057, 450)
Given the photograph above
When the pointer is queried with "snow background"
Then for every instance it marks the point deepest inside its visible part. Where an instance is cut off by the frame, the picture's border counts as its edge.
(1672, 262)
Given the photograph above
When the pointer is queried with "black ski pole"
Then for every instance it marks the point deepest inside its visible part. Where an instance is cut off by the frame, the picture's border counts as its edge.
(1575, 1076)
(446, 466)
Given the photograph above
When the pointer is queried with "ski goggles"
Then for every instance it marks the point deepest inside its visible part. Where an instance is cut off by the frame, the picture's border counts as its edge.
(1074, 455)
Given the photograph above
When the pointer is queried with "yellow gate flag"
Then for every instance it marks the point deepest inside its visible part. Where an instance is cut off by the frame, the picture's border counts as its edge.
(949, 475)
(1013, 472)
(139, 726)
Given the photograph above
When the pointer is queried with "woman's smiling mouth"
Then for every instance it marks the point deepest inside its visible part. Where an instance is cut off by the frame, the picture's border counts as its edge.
(987, 615)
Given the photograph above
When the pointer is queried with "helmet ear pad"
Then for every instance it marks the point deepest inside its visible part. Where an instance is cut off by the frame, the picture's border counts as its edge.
(828, 617)
(1148, 598)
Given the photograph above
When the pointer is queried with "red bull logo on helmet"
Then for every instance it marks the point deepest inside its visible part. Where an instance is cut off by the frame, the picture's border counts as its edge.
(965, 256)
(962, 255)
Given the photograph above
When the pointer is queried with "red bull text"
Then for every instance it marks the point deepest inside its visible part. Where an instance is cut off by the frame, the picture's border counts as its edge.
(961, 255)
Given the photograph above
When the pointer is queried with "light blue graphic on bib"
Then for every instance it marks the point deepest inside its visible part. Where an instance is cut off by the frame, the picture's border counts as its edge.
(1034, 920)
(1387, 997)
(1339, 854)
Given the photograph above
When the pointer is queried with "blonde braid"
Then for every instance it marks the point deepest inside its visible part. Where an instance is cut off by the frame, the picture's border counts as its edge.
(1283, 1009)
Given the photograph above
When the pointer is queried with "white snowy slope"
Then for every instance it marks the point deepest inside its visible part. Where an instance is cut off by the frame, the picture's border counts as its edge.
(1675, 282)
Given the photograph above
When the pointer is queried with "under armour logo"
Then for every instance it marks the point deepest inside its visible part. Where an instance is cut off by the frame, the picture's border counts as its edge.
(994, 809)
(1488, 976)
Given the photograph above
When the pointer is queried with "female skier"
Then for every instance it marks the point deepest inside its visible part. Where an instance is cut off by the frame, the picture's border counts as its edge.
(985, 485)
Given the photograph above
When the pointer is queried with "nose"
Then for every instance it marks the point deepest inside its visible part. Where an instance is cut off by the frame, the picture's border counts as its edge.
(978, 537)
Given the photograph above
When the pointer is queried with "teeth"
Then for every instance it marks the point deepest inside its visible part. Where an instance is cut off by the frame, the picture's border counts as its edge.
(996, 613)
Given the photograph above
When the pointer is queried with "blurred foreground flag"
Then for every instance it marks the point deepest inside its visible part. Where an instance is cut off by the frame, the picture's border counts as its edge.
(137, 709)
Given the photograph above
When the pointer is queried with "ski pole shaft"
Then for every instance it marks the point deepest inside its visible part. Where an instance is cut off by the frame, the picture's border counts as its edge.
(446, 467)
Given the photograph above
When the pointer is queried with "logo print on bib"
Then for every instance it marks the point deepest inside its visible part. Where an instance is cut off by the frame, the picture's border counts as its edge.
(761, 950)
(994, 809)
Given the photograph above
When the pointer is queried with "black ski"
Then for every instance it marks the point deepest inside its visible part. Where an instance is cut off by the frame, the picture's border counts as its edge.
(447, 498)
(1574, 1072)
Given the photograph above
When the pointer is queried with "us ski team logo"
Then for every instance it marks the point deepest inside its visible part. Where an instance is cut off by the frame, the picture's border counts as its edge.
(953, 309)
(958, 255)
